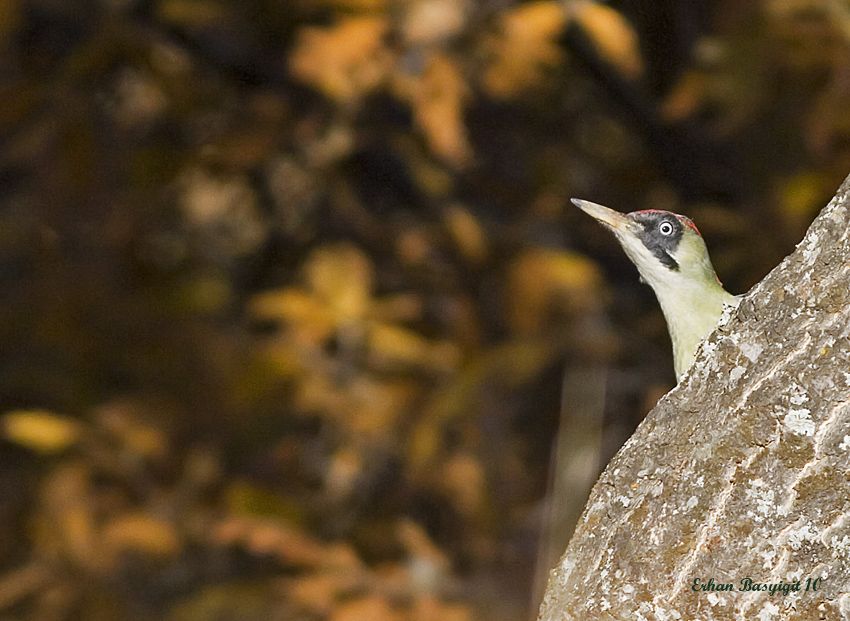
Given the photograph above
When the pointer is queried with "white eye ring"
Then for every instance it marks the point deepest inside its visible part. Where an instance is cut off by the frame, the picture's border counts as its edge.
(665, 228)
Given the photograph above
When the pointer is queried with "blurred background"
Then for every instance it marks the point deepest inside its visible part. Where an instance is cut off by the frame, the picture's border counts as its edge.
(297, 321)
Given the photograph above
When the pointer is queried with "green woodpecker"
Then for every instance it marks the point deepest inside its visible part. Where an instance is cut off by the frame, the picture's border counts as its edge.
(672, 258)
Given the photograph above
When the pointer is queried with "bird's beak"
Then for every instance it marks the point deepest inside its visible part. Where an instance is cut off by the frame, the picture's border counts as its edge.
(614, 220)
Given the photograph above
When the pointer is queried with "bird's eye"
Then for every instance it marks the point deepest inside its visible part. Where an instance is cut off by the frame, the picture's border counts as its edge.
(665, 228)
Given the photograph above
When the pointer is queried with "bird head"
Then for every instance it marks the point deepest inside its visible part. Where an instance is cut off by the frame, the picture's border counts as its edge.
(671, 257)
(667, 248)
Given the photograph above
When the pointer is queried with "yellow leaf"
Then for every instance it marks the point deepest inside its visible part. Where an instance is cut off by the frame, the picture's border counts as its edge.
(372, 409)
(613, 36)
(317, 392)
(430, 608)
(124, 421)
(467, 233)
(244, 498)
(525, 47)
(280, 358)
(272, 537)
(366, 608)
(311, 318)
(431, 21)
(346, 60)
(316, 592)
(139, 532)
(341, 275)
(463, 480)
(65, 523)
(686, 97)
(146, 441)
(391, 346)
(398, 307)
(40, 430)
(414, 245)
(286, 304)
(438, 97)
(541, 282)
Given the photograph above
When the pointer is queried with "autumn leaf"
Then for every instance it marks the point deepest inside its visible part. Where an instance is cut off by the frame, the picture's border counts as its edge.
(463, 480)
(40, 430)
(317, 593)
(341, 275)
(343, 471)
(296, 306)
(367, 608)
(438, 97)
(467, 233)
(338, 281)
(265, 537)
(542, 281)
(65, 523)
(431, 21)
(138, 437)
(612, 34)
(429, 608)
(142, 533)
(392, 346)
(345, 61)
(373, 408)
(525, 47)
(244, 498)
(685, 98)
(430, 561)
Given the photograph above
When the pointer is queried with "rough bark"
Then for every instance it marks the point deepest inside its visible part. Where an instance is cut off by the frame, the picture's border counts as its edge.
(742, 471)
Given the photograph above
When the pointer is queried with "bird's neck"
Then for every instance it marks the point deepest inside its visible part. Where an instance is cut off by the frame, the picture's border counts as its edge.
(691, 308)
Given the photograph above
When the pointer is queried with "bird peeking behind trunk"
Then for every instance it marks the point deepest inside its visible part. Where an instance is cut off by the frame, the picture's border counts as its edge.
(672, 258)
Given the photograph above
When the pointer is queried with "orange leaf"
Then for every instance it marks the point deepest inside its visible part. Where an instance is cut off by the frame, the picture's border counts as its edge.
(310, 316)
(346, 60)
(316, 593)
(463, 480)
(429, 608)
(368, 608)
(542, 281)
(525, 47)
(438, 98)
(685, 98)
(613, 36)
(141, 533)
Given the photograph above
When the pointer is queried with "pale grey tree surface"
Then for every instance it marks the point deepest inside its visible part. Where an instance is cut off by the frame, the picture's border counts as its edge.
(742, 471)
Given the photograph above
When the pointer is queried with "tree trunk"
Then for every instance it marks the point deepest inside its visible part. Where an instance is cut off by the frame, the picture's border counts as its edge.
(741, 472)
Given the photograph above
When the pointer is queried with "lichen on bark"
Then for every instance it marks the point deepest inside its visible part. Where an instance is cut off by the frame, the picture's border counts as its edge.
(742, 471)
